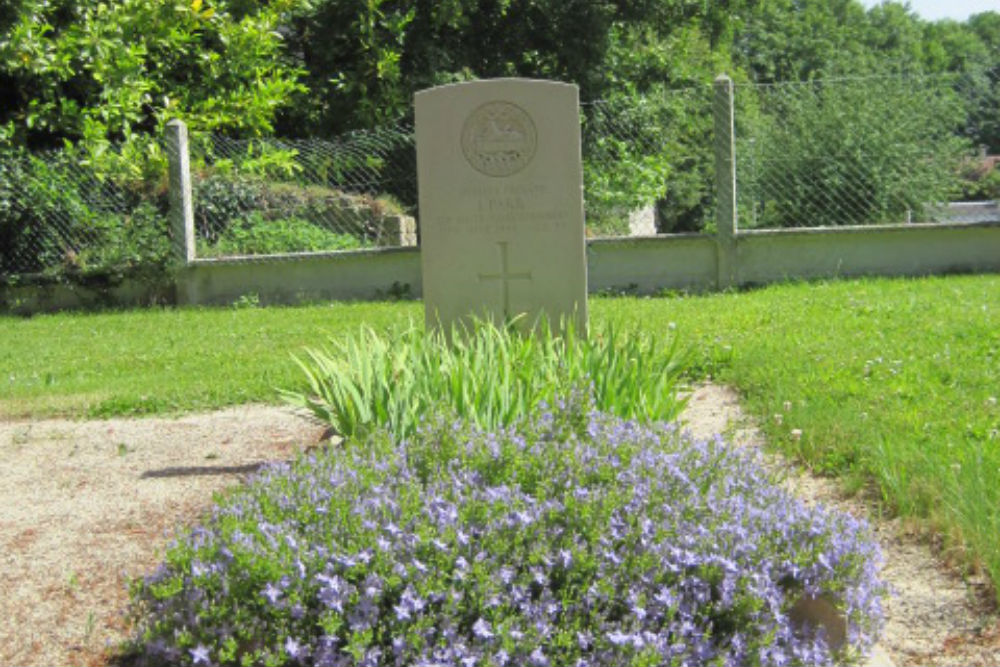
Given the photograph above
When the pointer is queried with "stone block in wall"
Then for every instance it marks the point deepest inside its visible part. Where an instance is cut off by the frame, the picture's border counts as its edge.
(397, 230)
(642, 222)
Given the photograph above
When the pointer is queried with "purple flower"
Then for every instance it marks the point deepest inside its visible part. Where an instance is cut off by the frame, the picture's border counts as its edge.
(294, 649)
(604, 515)
(271, 593)
(333, 592)
(619, 638)
(199, 655)
(481, 629)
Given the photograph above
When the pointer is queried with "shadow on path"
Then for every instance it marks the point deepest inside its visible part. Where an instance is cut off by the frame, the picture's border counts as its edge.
(193, 471)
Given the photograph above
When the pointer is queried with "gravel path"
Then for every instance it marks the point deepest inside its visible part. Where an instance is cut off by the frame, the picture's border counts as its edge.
(934, 617)
(87, 505)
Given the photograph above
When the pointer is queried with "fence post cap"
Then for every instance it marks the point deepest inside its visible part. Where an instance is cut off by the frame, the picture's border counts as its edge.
(176, 122)
(723, 78)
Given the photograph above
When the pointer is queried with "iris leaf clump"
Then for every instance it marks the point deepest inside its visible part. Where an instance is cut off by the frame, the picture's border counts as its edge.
(573, 537)
(490, 376)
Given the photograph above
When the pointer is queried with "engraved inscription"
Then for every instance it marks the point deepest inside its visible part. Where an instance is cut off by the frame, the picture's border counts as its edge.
(499, 139)
(504, 277)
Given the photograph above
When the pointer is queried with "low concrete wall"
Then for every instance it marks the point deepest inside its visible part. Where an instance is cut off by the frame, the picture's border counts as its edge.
(344, 276)
(648, 264)
(31, 299)
(642, 265)
(894, 250)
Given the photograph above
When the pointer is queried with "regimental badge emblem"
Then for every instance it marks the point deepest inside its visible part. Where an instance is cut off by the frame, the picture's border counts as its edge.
(499, 139)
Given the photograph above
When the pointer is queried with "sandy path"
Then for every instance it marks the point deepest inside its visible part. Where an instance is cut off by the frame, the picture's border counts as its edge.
(934, 618)
(89, 505)
(86, 506)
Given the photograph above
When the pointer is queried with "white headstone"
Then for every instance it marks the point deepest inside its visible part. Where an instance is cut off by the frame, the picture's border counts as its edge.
(501, 202)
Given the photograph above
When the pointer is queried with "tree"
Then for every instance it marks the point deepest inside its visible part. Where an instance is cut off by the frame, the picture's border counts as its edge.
(365, 58)
(647, 141)
(836, 153)
(98, 82)
(116, 71)
(985, 116)
(798, 40)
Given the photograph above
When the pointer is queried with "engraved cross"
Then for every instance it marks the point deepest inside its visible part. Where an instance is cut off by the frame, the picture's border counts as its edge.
(505, 276)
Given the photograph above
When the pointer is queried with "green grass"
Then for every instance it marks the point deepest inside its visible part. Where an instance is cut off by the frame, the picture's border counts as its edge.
(892, 384)
(165, 361)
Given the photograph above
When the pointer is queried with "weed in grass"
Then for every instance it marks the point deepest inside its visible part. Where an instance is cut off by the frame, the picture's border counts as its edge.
(89, 627)
(250, 300)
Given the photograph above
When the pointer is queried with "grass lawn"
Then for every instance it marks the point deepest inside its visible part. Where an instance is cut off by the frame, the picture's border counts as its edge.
(166, 361)
(892, 384)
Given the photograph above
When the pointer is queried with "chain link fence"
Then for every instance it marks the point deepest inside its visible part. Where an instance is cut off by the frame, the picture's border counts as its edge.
(59, 216)
(860, 151)
(822, 153)
(648, 163)
(272, 196)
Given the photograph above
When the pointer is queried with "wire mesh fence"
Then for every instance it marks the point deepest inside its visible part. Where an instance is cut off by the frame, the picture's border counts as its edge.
(822, 153)
(648, 163)
(267, 196)
(855, 151)
(59, 215)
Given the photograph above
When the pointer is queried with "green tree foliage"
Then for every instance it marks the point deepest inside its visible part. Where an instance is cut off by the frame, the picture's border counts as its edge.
(117, 70)
(647, 140)
(97, 82)
(798, 40)
(985, 117)
(364, 59)
(807, 162)
(105, 76)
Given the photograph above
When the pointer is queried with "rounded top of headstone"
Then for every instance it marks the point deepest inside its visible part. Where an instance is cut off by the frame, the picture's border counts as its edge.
(499, 138)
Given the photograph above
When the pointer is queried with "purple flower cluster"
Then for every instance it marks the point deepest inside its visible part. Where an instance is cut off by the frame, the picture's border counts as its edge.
(577, 540)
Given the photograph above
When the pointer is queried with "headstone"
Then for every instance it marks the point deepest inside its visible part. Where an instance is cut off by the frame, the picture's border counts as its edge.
(501, 202)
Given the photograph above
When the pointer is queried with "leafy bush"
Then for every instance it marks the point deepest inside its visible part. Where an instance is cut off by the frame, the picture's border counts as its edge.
(257, 236)
(978, 185)
(648, 150)
(93, 73)
(61, 220)
(140, 239)
(838, 153)
(649, 140)
(222, 200)
(578, 539)
(241, 212)
(490, 376)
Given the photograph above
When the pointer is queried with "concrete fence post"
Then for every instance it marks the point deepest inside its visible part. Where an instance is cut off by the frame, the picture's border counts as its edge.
(725, 180)
(181, 204)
